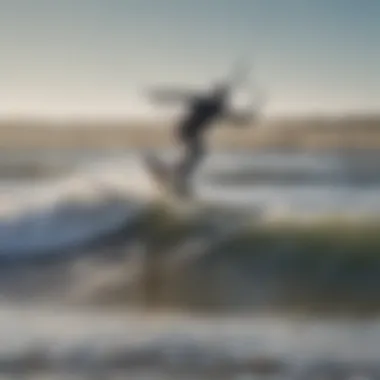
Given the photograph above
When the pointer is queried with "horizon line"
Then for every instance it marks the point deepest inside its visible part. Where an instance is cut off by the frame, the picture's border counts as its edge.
(45, 117)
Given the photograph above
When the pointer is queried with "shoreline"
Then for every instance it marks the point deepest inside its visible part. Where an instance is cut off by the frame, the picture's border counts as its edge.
(298, 134)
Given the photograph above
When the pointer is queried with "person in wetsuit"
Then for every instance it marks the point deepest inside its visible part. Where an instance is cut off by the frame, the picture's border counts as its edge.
(190, 132)
(204, 111)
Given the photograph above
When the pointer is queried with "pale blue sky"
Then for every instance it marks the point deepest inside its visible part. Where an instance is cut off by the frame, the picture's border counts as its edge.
(96, 56)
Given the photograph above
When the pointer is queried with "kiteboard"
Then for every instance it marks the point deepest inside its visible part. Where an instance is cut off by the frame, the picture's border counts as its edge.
(163, 175)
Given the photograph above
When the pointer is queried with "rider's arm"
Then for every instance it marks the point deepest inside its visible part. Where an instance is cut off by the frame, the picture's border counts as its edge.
(250, 116)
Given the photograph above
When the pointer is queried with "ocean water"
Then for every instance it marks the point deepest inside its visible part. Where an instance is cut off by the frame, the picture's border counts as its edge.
(91, 345)
(92, 195)
(97, 192)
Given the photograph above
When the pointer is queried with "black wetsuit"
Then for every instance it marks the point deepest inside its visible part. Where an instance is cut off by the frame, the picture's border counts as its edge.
(191, 135)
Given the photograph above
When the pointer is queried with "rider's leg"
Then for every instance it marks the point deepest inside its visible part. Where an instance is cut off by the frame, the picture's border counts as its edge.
(193, 155)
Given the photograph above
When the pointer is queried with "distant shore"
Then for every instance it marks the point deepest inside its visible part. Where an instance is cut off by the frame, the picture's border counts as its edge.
(354, 132)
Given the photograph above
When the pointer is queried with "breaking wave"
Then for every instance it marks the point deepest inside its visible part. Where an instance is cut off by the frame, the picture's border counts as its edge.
(67, 213)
